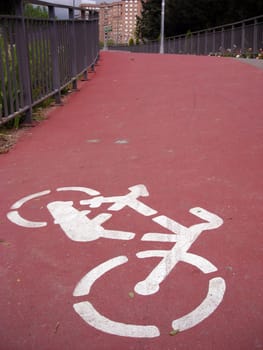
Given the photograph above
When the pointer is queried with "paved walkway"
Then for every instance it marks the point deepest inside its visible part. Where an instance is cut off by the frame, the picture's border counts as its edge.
(146, 139)
(253, 62)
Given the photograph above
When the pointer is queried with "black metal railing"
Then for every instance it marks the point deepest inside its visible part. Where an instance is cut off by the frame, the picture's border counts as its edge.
(244, 38)
(40, 57)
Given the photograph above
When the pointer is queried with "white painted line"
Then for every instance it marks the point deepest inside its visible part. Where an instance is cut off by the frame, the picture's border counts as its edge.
(129, 200)
(23, 200)
(77, 225)
(90, 315)
(87, 190)
(159, 237)
(85, 284)
(185, 237)
(15, 217)
(198, 261)
(213, 220)
(151, 254)
(214, 297)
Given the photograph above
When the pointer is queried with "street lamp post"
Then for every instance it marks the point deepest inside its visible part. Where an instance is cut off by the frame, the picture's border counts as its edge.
(73, 9)
(162, 27)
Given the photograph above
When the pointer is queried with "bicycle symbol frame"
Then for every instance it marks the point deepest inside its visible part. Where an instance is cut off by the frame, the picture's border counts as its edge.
(79, 227)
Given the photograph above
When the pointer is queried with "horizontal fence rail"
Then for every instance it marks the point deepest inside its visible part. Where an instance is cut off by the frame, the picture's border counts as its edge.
(244, 38)
(40, 57)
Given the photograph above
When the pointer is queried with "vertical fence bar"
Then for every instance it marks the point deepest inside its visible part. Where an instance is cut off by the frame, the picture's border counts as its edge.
(85, 40)
(40, 56)
(8, 73)
(243, 38)
(23, 61)
(198, 43)
(232, 38)
(214, 42)
(222, 40)
(179, 44)
(54, 54)
(4, 107)
(255, 38)
(191, 44)
(206, 42)
(73, 49)
(45, 51)
(93, 31)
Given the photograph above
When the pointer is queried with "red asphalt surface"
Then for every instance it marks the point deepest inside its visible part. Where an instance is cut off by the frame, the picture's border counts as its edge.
(191, 130)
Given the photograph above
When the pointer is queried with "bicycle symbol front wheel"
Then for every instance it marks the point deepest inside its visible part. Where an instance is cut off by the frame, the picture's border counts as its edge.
(92, 317)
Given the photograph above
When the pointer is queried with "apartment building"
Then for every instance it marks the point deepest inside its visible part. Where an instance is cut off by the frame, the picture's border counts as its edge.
(117, 20)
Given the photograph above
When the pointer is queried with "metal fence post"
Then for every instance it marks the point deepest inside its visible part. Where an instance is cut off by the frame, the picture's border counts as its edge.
(214, 42)
(191, 44)
(85, 43)
(243, 38)
(206, 42)
(255, 37)
(73, 47)
(54, 55)
(23, 61)
(232, 37)
(97, 38)
(222, 40)
(179, 45)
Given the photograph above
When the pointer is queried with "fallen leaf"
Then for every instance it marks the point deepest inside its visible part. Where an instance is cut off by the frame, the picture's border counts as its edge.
(93, 140)
(174, 332)
(121, 142)
(4, 242)
(56, 328)
(131, 294)
(229, 268)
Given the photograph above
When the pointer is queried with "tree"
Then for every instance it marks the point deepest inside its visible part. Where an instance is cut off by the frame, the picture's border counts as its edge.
(131, 42)
(8, 7)
(148, 25)
(184, 15)
(35, 11)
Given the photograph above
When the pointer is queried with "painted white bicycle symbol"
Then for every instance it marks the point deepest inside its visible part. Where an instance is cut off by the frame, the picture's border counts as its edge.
(79, 227)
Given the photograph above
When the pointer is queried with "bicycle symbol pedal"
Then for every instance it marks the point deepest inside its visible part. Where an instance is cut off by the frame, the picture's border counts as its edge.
(78, 226)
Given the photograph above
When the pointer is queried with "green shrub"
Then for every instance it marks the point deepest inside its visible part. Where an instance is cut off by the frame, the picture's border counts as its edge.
(131, 42)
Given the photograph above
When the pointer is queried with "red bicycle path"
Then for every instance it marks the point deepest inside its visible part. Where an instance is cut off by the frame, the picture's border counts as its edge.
(190, 129)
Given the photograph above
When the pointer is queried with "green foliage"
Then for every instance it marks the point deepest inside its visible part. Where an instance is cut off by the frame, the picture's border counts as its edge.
(182, 16)
(10, 81)
(8, 8)
(148, 26)
(131, 42)
(10, 69)
(110, 42)
(260, 54)
(35, 11)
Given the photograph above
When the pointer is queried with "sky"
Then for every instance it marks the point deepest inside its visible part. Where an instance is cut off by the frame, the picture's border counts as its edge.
(77, 2)
(61, 13)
